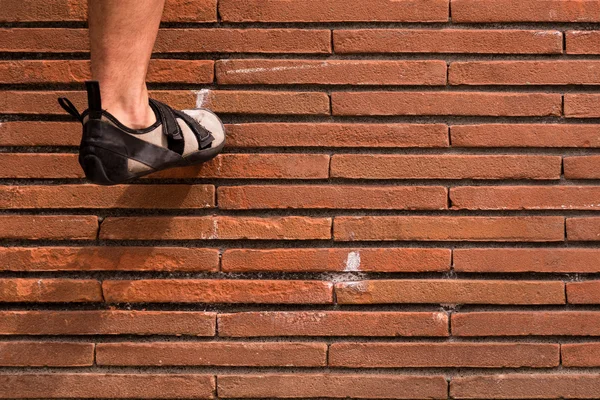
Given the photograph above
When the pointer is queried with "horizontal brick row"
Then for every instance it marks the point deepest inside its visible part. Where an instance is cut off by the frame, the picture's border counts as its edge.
(464, 11)
(46, 354)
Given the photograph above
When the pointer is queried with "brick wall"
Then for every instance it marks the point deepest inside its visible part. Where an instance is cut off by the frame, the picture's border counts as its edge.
(407, 207)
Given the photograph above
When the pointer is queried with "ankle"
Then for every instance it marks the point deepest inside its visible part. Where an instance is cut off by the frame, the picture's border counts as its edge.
(133, 111)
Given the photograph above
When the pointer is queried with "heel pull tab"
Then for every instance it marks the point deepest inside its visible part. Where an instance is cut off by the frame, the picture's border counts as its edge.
(94, 101)
(70, 108)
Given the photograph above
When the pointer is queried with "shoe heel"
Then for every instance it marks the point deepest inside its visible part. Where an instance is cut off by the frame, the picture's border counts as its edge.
(103, 167)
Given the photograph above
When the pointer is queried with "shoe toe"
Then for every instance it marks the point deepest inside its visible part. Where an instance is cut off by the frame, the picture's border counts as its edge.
(211, 122)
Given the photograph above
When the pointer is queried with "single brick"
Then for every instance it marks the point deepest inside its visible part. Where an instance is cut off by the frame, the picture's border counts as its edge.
(445, 166)
(332, 197)
(583, 42)
(234, 354)
(583, 229)
(106, 386)
(580, 354)
(46, 354)
(444, 355)
(282, 134)
(582, 105)
(579, 72)
(447, 103)
(334, 11)
(69, 71)
(48, 227)
(526, 323)
(333, 323)
(526, 11)
(582, 167)
(552, 260)
(525, 197)
(218, 291)
(449, 291)
(40, 133)
(443, 228)
(329, 72)
(40, 165)
(525, 135)
(335, 260)
(120, 196)
(215, 228)
(499, 41)
(21, 290)
(583, 292)
(309, 385)
(525, 386)
(107, 323)
(47, 40)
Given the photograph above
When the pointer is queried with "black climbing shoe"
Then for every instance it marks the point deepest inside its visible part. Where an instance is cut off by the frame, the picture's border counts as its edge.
(111, 153)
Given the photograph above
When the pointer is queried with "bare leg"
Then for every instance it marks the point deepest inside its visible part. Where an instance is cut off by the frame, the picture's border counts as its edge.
(122, 35)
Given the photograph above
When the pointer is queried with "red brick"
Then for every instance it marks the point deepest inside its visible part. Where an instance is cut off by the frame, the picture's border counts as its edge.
(446, 103)
(333, 323)
(580, 354)
(192, 40)
(121, 196)
(336, 260)
(551, 260)
(444, 355)
(526, 11)
(527, 323)
(525, 386)
(583, 42)
(445, 166)
(584, 229)
(107, 323)
(504, 41)
(451, 291)
(583, 292)
(76, 10)
(50, 227)
(69, 71)
(333, 197)
(218, 291)
(50, 290)
(303, 385)
(104, 258)
(282, 134)
(525, 197)
(40, 165)
(528, 73)
(443, 228)
(582, 167)
(582, 105)
(255, 166)
(525, 135)
(273, 354)
(215, 227)
(334, 11)
(106, 386)
(330, 72)
(40, 133)
(46, 354)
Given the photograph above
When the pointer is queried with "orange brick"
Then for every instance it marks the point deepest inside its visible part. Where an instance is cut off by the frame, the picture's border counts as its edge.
(445, 166)
(39, 133)
(580, 354)
(50, 227)
(582, 167)
(105, 258)
(582, 105)
(46, 354)
(218, 291)
(333, 323)
(236, 354)
(584, 229)
(50, 290)
(333, 197)
(447, 103)
(583, 292)
(40, 165)
(178, 323)
(504, 41)
(526, 11)
(215, 227)
(583, 42)
(330, 72)
(336, 260)
(444, 355)
(551, 260)
(450, 291)
(442, 228)
(525, 135)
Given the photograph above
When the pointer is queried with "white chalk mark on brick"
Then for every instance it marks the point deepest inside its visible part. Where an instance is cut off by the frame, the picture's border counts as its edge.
(353, 262)
(201, 97)
(275, 69)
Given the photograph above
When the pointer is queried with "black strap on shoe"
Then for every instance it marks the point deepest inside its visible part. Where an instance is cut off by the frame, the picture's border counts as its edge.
(204, 137)
(70, 108)
(94, 100)
(171, 128)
